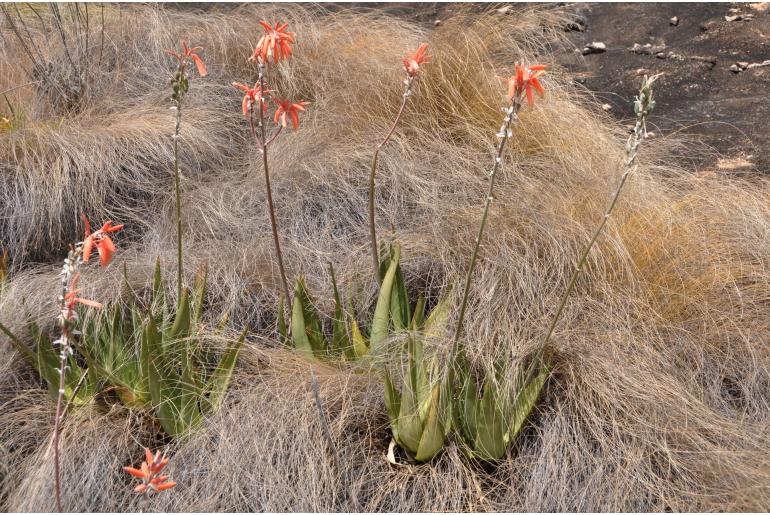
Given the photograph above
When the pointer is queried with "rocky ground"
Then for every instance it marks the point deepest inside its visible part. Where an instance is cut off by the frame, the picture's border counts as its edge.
(715, 58)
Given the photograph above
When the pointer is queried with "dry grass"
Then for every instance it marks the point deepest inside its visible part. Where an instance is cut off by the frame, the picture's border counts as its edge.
(660, 397)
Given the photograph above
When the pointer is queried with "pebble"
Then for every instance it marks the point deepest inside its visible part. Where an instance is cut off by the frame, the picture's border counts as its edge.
(596, 47)
(674, 21)
(437, 23)
(647, 49)
(606, 107)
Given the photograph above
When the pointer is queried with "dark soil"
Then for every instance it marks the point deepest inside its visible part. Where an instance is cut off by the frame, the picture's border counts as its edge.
(726, 113)
(698, 95)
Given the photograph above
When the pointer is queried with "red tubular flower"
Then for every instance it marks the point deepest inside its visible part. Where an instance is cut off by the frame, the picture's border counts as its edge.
(101, 240)
(71, 298)
(413, 62)
(149, 473)
(190, 53)
(251, 96)
(524, 81)
(274, 45)
(288, 109)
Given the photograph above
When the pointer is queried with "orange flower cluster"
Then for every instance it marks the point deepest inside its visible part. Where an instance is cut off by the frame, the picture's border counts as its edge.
(525, 81)
(288, 109)
(274, 45)
(149, 473)
(190, 53)
(101, 240)
(412, 63)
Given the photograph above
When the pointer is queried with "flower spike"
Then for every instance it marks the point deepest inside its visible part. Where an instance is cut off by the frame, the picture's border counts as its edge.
(252, 96)
(413, 62)
(274, 45)
(149, 473)
(524, 81)
(190, 53)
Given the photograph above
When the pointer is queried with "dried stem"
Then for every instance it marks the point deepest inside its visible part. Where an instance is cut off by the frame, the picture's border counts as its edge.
(643, 106)
(372, 230)
(322, 415)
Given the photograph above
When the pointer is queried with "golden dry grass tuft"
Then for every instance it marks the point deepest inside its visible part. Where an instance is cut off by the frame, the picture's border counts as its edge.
(660, 398)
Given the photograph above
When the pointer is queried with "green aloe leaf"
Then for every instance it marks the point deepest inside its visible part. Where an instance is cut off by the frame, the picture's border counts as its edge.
(360, 347)
(199, 289)
(220, 379)
(393, 404)
(306, 329)
(340, 339)
(183, 319)
(491, 438)
(436, 324)
(283, 329)
(418, 317)
(22, 349)
(409, 423)
(399, 302)
(432, 438)
(381, 317)
(526, 400)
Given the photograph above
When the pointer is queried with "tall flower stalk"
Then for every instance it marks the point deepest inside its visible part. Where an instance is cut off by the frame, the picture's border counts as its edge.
(180, 85)
(412, 68)
(521, 85)
(68, 317)
(643, 106)
(273, 46)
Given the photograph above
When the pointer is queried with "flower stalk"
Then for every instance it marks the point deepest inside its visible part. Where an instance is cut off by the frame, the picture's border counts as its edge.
(412, 68)
(372, 173)
(263, 142)
(274, 46)
(511, 114)
(180, 85)
(523, 84)
(68, 317)
(643, 106)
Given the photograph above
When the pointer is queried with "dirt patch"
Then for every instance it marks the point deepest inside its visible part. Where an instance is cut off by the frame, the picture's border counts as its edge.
(717, 73)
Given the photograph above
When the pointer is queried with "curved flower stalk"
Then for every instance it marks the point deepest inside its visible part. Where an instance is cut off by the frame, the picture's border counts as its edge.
(150, 474)
(643, 106)
(180, 85)
(274, 46)
(412, 67)
(68, 317)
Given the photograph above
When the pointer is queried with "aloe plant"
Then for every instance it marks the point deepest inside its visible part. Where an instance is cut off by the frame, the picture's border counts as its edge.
(419, 410)
(149, 357)
(307, 331)
(489, 418)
